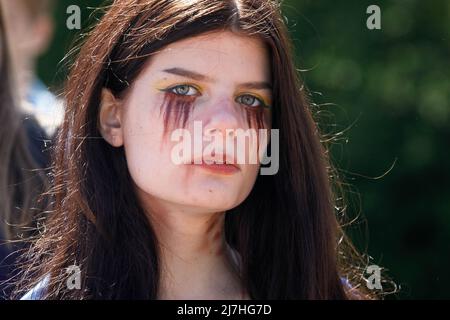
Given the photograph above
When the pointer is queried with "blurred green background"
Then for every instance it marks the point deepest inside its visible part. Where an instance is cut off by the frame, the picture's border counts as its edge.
(388, 91)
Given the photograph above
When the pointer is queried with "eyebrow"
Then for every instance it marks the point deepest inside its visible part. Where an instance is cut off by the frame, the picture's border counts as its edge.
(200, 77)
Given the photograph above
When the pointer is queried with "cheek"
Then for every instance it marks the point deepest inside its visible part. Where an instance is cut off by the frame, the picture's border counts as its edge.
(148, 153)
(144, 148)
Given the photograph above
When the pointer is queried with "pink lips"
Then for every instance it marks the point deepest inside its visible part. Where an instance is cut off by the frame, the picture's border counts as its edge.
(218, 168)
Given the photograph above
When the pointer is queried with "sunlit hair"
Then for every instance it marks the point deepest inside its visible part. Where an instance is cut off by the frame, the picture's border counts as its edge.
(286, 231)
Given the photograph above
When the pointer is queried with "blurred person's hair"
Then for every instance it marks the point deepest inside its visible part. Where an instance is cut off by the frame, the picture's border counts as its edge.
(20, 183)
(286, 231)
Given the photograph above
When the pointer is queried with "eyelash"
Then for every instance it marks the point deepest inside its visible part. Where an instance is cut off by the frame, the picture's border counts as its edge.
(171, 90)
(183, 85)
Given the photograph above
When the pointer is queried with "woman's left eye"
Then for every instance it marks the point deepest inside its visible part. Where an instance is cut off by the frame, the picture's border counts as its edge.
(184, 90)
(250, 101)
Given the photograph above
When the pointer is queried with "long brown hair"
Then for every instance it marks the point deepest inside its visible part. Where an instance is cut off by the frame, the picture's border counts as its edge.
(286, 231)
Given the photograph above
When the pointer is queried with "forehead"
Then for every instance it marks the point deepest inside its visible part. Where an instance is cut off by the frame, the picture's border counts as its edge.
(218, 55)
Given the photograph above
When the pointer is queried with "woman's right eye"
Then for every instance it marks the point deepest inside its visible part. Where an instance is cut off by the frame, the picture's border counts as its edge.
(184, 90)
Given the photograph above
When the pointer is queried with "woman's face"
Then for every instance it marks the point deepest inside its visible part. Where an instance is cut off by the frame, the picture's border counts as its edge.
(207, 80)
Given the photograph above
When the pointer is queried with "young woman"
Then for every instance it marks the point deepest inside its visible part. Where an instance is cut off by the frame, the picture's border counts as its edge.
(137, 225)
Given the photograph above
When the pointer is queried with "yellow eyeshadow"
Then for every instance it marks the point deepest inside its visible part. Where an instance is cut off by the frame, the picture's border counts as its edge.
(162, 84)
(165, 84)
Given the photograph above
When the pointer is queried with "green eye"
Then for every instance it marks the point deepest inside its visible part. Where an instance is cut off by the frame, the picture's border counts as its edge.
(250, 101)
(184, 90)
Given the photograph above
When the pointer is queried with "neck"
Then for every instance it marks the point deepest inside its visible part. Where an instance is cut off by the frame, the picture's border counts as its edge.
(195, 260)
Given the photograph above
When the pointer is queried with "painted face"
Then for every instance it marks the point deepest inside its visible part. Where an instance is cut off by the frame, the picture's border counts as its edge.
(209, 85)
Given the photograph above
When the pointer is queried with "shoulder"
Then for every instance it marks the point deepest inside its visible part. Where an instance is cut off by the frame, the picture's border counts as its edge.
(354, 292)
(38, 292)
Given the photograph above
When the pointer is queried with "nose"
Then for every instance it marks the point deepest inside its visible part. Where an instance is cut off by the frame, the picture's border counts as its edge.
(221, 115)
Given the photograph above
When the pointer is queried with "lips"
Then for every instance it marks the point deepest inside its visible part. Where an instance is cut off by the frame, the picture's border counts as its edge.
(217, 164)
(216, 159)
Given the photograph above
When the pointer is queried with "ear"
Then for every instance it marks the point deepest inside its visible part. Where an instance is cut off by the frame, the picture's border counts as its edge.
(109, 119)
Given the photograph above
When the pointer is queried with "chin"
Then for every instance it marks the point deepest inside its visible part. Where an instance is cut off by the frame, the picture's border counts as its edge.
(216, 201)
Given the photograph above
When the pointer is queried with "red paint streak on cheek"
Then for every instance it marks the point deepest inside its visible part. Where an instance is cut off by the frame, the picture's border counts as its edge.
(255, 120)
(175, 111)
